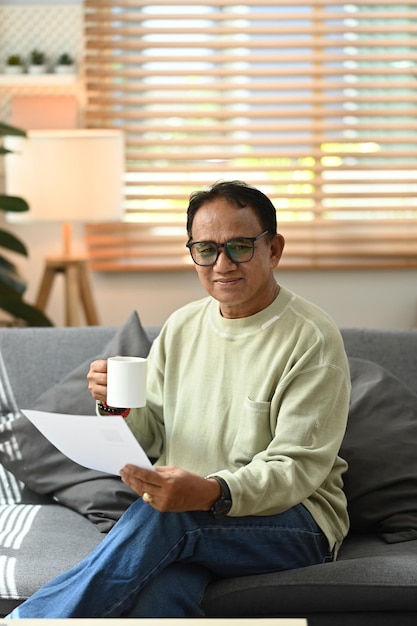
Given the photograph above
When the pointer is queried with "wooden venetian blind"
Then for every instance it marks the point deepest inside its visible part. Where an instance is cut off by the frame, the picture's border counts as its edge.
(314, 103)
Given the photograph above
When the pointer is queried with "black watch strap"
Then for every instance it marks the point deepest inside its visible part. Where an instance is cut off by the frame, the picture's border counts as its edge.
(223, 505)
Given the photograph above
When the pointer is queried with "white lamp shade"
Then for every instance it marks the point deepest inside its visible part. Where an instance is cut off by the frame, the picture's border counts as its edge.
(67, 175)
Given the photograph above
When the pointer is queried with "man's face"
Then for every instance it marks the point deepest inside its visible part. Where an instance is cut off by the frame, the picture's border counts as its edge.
(242, 289)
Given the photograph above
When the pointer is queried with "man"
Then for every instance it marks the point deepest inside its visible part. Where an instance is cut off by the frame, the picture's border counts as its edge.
(247, 402)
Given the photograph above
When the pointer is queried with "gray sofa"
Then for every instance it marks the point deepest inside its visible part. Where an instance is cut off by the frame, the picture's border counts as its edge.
(374, 580)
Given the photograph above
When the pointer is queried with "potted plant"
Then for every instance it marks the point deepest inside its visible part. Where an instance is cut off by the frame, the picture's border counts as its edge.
(37, 62)
(12, 284)
(14, 64)
(65, 64)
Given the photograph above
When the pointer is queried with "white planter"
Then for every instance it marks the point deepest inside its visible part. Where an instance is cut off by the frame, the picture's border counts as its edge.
(37, 69)
(14, 69)
(64, 69)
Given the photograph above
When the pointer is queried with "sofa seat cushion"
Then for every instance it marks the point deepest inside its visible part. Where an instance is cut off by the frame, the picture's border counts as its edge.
(369, 573)
(38, 542)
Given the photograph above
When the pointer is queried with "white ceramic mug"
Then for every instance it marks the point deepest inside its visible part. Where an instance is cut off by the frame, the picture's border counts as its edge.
(126, 381)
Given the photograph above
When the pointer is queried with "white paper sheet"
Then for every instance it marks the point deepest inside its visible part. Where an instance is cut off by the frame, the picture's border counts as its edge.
(103, 443)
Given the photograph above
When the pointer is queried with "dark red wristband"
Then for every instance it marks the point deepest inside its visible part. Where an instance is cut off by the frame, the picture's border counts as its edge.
(113, 410)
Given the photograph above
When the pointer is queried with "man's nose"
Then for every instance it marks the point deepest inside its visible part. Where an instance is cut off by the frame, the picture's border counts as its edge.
(223, 261)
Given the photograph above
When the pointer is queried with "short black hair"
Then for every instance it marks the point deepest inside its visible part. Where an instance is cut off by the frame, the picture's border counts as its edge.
(241, 195)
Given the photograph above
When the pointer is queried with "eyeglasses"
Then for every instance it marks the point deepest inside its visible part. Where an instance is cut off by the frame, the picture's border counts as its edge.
(238, 250)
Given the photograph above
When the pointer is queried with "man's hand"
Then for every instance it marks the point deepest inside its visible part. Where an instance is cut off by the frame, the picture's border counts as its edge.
(97, 380)
(172, 489)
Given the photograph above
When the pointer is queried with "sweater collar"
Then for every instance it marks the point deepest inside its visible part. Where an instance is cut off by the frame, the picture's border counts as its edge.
(254, 323)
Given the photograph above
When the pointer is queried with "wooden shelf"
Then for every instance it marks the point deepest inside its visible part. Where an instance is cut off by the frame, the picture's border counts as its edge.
(27, 80)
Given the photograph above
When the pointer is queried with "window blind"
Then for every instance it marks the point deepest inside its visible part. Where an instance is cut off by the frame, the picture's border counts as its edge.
(315, 103)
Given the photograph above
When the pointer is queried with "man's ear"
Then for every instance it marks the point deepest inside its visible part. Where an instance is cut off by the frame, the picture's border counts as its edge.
(277, 246)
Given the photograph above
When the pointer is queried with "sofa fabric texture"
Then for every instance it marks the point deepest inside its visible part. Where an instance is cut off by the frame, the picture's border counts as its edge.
(53, 512)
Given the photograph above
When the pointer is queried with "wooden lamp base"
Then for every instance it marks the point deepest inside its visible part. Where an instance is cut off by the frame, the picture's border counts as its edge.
(78, 292)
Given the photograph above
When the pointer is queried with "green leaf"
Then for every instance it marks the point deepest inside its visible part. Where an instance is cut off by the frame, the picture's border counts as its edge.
(21, 310)
(11, 283)
(6, 129)
(13, 203)
(9, 241)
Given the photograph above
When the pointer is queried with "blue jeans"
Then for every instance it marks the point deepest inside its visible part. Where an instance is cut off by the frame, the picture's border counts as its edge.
(154, 564)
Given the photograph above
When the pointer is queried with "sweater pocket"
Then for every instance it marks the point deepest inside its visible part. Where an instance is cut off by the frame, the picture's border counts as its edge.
(254, 431)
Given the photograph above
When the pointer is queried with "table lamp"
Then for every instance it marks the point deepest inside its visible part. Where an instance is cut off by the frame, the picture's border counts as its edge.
(67, 176)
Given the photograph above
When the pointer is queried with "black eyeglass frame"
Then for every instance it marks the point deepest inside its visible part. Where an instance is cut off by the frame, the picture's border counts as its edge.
(190, 244)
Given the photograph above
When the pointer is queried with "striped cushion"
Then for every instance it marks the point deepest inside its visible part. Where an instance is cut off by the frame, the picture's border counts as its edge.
(12, 490)
(15, 523)
(38, 542)
(38, 539)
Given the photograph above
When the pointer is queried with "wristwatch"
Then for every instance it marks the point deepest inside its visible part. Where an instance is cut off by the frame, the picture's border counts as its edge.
(223, 505)
(111, 410)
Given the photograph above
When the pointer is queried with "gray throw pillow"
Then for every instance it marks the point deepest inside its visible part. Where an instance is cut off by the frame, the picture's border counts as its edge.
(71, 394)
(380, 446)
(28, 455)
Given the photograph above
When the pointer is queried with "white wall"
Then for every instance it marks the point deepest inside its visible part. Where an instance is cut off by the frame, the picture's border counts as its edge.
(379, 299)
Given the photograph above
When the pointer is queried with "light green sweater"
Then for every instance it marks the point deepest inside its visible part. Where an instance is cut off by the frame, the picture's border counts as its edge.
(261, 401)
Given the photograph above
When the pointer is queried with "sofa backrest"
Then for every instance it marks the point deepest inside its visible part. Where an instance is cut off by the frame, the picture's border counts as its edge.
(396, 350)
(38, 358)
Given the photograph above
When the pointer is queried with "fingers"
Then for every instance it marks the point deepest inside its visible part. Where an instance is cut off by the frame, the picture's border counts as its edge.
(141, 479)
(97, 379)
(98, 367)
(171, 489)
(142, 482)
